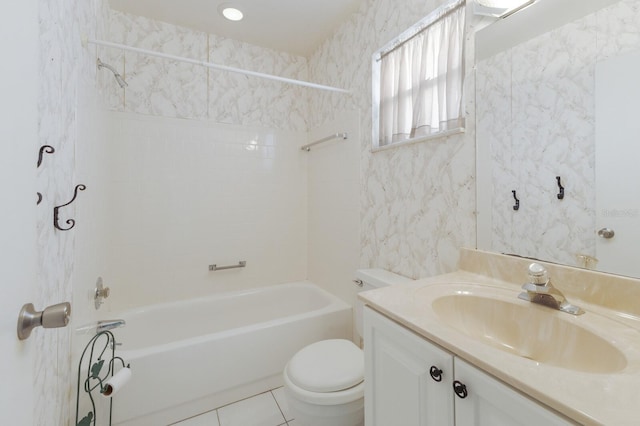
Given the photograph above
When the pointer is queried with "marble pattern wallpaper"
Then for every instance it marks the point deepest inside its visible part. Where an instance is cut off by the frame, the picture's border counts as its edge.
(64, 65)
(536, 112)
(417, 202)
(166, 88)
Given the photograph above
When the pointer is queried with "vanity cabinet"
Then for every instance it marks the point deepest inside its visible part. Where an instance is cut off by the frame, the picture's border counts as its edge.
(399, 387)
(410, 381)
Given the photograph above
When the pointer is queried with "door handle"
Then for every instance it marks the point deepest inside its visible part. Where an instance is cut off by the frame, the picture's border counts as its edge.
(606, 233)
(52, 317)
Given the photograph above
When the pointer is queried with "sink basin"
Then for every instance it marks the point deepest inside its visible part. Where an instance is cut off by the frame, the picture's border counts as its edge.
(529, 331)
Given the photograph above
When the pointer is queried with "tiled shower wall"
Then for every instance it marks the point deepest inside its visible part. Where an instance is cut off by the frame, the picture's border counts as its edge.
(417, 202)
(334, 212)
(536, 113)
(185, 194)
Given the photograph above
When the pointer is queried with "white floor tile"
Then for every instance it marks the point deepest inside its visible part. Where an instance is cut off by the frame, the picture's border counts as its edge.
(260, 410)
(281, 399)
(207, 419)
(293, 423)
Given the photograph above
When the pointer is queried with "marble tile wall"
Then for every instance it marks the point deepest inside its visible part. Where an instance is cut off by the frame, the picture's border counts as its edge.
(64, 66)
(536, 111)
(417, 202)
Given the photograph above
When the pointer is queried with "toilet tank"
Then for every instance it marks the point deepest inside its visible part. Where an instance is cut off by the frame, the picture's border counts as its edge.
(372, 279)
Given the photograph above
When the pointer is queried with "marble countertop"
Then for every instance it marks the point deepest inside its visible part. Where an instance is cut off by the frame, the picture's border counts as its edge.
(586, 397)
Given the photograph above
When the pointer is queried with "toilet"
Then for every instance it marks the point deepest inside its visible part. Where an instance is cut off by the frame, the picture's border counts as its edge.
(324, 381)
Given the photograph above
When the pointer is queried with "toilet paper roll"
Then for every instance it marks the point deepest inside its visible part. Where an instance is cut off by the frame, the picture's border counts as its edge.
(115, 383)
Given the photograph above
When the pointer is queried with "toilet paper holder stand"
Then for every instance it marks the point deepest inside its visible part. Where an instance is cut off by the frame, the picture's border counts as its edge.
(100, 366)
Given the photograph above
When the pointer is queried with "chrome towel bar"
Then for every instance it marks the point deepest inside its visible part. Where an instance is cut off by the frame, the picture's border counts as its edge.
(240, 264)
(308, 146)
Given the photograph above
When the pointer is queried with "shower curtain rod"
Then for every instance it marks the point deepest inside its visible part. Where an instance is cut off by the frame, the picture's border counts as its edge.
(216, 66)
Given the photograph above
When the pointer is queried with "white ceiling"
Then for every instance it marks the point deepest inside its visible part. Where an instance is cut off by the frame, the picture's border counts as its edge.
(294, 26)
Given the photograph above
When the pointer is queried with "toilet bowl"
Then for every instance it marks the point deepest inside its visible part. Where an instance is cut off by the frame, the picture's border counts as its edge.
(324, 384)
(324, 381)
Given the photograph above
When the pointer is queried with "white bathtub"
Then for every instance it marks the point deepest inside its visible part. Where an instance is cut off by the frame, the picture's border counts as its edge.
(192, 356)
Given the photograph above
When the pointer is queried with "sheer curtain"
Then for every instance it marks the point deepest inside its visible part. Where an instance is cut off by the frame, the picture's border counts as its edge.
(421, 82)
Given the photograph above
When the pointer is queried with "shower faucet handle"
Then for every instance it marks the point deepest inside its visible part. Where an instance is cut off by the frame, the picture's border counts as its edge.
(101, 293)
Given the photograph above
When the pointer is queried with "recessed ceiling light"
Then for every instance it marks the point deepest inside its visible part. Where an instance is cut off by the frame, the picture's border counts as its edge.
(232, 14)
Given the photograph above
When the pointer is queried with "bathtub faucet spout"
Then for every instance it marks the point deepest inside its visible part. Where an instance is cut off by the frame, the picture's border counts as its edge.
(105, 325)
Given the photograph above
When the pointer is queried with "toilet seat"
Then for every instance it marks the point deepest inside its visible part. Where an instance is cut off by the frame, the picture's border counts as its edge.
(328, 372)
(327, 366)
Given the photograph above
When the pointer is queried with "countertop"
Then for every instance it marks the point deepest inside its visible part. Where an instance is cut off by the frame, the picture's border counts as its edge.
(585, 397)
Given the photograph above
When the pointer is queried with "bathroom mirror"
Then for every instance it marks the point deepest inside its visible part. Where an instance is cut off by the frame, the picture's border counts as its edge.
(554, 92)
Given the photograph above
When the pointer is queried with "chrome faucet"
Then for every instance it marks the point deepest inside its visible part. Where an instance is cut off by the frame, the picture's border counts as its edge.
(540, 290)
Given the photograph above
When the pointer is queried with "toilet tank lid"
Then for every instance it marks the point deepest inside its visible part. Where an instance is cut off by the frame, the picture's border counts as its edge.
(327, 366)
(380, 277)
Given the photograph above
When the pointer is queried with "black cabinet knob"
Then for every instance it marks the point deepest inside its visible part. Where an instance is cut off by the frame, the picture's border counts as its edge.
(436, 373)
(460, 389)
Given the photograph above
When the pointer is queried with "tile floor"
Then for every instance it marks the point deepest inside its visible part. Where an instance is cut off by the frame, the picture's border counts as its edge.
(266, 409)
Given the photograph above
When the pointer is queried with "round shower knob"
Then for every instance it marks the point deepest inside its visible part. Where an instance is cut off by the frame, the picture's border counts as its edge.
(606, 233)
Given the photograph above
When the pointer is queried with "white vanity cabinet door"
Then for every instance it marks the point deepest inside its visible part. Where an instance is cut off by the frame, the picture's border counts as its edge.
(399, 388)
(490, 402)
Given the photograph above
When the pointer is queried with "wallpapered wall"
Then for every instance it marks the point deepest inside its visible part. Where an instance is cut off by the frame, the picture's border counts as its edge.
(417, 202)
(65, 66)
(170, 89)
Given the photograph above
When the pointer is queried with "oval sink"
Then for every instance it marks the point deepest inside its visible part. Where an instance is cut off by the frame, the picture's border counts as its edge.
(529, 331)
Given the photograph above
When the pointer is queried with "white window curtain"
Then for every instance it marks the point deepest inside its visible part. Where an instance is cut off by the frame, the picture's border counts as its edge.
(421, 82)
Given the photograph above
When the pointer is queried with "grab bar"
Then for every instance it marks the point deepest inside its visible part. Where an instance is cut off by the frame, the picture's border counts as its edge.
(308, 146)
(240, 264)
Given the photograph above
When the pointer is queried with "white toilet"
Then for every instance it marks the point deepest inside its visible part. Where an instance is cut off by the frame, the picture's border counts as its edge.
(324, 382)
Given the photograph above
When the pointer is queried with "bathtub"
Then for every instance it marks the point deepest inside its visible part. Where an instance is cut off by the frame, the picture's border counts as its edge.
(192, 356)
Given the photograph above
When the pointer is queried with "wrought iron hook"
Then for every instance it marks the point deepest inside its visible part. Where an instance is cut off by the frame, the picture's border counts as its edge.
(561, 193)
(517, 205)
(44, 148)
(70, 222)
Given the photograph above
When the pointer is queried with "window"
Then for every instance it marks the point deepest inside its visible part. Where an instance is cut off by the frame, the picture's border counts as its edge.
(418, 79)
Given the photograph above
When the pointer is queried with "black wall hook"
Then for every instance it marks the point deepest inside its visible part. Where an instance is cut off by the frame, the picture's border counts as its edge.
(69, 222)
(44, 148)
(561, 193)
(517, 205)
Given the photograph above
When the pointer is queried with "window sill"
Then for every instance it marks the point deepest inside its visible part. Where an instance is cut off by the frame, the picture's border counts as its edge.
(457, 130)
